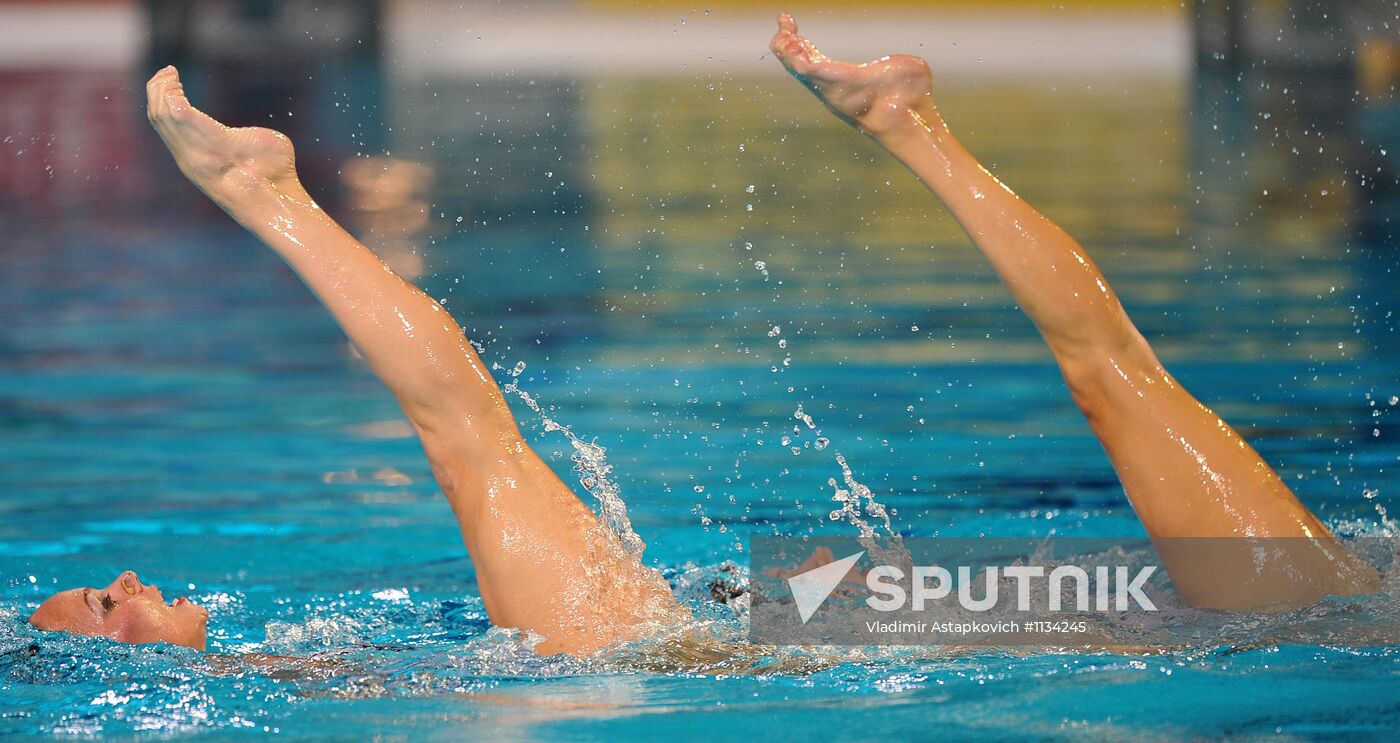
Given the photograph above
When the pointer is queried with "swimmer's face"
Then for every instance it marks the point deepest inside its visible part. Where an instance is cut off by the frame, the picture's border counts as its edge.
(125, 611)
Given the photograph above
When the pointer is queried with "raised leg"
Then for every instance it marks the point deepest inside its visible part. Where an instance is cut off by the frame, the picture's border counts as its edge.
(542, 560)
(1185, 471)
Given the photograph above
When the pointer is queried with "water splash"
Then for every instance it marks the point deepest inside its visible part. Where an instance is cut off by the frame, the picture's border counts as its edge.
(858, 506)
(590, 465)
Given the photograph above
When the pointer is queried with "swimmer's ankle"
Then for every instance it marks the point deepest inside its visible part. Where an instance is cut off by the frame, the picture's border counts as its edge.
(249, 179)
(242, 190)
(897, 123)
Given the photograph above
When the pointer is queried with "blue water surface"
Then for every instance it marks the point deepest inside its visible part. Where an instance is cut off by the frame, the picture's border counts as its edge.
(172, 400)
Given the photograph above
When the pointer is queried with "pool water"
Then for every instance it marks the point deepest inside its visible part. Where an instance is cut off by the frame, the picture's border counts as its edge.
(679, 263)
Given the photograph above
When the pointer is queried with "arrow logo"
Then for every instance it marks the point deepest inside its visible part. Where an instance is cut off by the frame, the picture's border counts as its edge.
(810, 589)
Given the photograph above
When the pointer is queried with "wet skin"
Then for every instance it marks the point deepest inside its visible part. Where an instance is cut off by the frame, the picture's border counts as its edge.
(543, 561)
(541, 556)
(1188, 475)
(127, 610)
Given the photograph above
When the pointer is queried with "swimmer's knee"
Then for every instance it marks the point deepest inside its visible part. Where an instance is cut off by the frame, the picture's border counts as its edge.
(1086, 387)
(1105, 378)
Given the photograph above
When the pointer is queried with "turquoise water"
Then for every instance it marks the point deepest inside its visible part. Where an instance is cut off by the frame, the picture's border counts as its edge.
(172, 400)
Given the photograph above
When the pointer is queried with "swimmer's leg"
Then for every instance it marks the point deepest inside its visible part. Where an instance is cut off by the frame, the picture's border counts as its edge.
(1186, 472)
(541, 561)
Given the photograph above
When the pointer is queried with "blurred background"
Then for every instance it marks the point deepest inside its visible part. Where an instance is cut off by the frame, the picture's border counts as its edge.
(688, 255)
(440, 84)
(682, 247)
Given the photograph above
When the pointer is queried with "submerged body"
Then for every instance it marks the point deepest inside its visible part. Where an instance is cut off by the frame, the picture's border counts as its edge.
(1187, 473)
(544, 561)
(542, 558)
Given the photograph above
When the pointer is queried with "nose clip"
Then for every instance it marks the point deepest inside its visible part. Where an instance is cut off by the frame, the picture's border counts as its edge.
(129, 583)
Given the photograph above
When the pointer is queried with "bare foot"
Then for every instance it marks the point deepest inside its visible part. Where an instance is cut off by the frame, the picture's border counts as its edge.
(220, 160)
(875, 97)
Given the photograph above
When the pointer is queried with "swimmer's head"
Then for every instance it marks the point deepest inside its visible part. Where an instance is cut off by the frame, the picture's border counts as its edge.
(125, 611)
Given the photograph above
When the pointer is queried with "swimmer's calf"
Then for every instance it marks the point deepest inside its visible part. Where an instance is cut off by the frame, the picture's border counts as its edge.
(1186, 472)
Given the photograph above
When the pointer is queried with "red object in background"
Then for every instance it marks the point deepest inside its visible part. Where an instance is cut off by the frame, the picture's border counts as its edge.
(69, 139)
